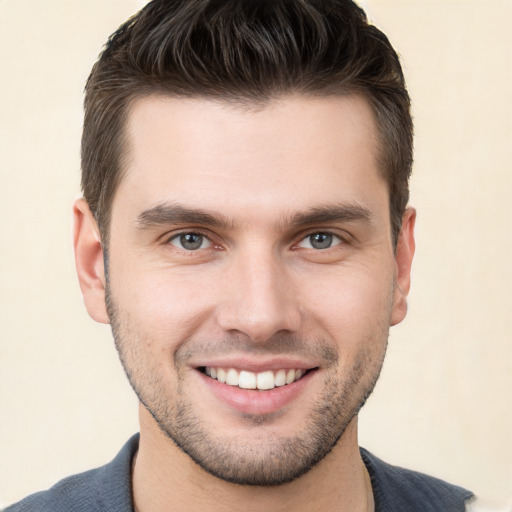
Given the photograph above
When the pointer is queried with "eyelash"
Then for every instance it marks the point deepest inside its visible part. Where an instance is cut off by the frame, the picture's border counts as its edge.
(341, 240)
(176, 236)
(303, 237)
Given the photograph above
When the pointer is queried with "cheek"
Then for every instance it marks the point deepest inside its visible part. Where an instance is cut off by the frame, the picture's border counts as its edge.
(352, 306)
(168, 305)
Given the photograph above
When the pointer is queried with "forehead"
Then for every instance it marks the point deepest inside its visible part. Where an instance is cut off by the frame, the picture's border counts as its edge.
(291, 152)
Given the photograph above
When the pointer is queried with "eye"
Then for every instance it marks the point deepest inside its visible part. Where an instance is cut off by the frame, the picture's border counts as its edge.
(320, 240)
(190, 241)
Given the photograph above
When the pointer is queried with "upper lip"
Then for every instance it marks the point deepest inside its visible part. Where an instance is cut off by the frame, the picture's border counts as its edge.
(257, 365)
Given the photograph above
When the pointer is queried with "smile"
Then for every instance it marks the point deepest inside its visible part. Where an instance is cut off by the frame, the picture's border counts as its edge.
(256, 388)
(251, 380)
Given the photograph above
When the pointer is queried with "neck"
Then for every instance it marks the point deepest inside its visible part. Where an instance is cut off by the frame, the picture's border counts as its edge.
(166, 479)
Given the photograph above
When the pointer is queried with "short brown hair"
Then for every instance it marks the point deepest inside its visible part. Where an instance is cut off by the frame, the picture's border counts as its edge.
(247, 51)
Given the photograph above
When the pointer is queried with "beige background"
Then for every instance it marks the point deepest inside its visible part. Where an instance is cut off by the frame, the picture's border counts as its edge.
(443, 404)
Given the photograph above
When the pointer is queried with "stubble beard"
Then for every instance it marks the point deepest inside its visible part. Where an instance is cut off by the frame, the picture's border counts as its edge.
(260, 459)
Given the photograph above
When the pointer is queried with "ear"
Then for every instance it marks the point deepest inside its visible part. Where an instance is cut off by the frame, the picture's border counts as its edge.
(89, 261)
(403, 260)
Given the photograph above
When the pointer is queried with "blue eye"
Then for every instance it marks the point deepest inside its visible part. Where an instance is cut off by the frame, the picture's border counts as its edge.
(320, 240)
(190, 241)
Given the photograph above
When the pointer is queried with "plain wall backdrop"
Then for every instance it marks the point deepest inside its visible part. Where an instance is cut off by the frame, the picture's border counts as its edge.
(443, 404)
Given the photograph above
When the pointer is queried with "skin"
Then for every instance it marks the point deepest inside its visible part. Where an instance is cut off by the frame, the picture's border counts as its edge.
(256, 293)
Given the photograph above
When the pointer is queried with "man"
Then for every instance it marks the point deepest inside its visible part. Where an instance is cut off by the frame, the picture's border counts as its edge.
(245, 231)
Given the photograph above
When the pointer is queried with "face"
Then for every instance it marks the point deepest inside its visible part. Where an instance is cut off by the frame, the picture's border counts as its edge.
(252, 277)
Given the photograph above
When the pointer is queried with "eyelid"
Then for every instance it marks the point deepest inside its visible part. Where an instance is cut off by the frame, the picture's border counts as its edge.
(169, 237)
(173, 233)
(344, 238)
(333, 232)
(204, 241)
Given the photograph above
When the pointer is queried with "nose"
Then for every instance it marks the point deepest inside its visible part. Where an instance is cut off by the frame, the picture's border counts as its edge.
(259, 298)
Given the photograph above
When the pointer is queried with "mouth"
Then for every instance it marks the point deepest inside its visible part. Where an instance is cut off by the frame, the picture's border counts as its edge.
(255, 387)
(262, 381)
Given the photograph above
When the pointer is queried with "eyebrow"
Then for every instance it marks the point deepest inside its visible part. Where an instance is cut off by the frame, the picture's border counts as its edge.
(332, 213)
(173, 213)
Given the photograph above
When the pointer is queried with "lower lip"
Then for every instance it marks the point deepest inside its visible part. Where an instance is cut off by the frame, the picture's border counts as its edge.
(251, 401)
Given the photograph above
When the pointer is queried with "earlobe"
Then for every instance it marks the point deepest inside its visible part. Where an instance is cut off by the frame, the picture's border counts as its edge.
(403, 259)
(89, 261)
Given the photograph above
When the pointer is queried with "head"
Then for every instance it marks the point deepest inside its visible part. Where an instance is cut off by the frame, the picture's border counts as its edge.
(247, 53)
(246, 164)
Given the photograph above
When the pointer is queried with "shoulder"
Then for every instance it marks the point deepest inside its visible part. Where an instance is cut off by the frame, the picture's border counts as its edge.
(77, 492)
(107, 488)
(397, 489)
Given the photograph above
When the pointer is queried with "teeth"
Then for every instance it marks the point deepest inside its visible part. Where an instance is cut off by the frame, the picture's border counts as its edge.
(280, 378)
(290, 376)
(250, 380)
(247, 380)
(232, 377)
(266, 380)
